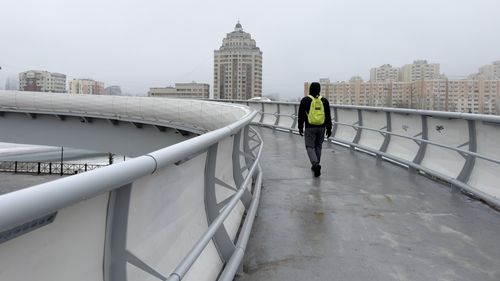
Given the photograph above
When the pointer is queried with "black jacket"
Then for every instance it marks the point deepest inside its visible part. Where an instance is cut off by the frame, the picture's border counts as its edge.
(305, 104)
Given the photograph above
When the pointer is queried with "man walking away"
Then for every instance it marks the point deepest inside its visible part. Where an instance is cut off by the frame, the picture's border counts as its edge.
(314, 111)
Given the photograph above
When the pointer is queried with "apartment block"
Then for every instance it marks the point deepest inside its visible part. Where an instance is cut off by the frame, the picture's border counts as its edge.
(470, 96)
(419, 70)
(238, 67)
(42, 81)
(182, 90)
(384, 73)
(113, 90)
(488, 72)
(86, 87)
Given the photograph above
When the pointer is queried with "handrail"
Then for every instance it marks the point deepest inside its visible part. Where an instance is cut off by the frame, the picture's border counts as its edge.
(24, 205)
(422, 140)
(186, 263)
(434, 113)
(465, 175)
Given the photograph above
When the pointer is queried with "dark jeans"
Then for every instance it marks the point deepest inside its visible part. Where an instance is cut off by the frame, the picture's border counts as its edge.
(314, 140)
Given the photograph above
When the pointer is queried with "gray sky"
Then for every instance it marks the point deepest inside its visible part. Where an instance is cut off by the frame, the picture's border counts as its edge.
(142, 44)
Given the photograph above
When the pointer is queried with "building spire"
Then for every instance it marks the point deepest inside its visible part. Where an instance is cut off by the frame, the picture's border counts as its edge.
(238, 26)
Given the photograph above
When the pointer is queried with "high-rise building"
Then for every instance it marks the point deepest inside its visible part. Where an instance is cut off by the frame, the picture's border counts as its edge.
(384, 73)
(419, 70)
(488, 72)
(86, 87)
(113, 90)
(42, 81)
(238, 67)
(182, 90)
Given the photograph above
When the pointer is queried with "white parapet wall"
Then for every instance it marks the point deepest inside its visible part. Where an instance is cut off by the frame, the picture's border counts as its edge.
(148, 218)
(460, 148)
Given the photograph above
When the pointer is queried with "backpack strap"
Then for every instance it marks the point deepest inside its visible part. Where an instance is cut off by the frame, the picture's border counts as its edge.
(312, 98)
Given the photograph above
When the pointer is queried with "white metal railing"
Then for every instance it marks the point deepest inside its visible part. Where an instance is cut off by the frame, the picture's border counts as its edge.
(173, 212)
(459, 148)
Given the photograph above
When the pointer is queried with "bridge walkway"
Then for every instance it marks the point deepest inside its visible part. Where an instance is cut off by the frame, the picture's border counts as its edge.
(363, 221)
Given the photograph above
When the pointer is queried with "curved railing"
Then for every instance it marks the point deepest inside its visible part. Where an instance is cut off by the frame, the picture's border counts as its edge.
(459, 148)
(177, 213)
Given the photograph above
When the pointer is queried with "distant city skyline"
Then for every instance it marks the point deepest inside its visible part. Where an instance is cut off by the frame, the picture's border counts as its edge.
(134, 45)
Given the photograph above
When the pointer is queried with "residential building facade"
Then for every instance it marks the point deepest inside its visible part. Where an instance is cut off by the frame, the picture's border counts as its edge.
(384, 73)
(113, 90)
(86, 87)
(488, 72)
(419, 70)
(469, 96)
(182, 90)
(42, 81)
(238, 67)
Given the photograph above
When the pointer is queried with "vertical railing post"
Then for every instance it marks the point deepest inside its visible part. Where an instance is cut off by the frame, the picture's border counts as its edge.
(277, 115)
(387, 135)
(295, 117)
(50, 168)
(15, 167)
(358, 130)
(335, 119)
(422, 145)
(222, 241)
(470, 160)
(246, 199)
(38, 172)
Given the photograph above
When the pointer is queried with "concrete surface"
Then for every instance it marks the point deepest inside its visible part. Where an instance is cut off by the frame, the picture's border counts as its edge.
(363, 221)
(10, 182)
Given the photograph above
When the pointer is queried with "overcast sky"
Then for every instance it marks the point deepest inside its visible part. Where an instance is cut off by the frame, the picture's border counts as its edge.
(151, 43)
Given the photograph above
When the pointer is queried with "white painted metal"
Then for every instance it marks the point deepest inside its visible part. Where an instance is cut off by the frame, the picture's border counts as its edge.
(70, 248)
(270, 109)
(192, 113)
(166, 213)
(407, 125)
(287, 111)
(439, 152)
(257, 107)
(375, 120)
(450, 132)
(486, 175)
(347, 116)
(224, 172)
(169, 206)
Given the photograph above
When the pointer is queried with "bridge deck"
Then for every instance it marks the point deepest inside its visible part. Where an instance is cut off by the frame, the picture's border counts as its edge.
(364, 221)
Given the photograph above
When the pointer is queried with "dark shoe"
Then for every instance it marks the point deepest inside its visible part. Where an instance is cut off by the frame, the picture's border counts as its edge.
(317, 170)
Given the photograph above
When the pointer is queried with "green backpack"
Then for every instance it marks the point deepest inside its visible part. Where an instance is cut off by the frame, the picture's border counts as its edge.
(316, 114)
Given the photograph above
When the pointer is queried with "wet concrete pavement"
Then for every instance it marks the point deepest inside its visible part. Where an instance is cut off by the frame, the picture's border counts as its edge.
(363, 221)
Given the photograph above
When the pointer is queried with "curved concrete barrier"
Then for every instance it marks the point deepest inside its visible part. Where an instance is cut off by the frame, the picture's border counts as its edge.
(459, 148)
(173, 213)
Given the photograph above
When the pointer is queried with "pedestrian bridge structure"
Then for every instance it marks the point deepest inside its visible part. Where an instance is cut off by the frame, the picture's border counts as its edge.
(404, 195)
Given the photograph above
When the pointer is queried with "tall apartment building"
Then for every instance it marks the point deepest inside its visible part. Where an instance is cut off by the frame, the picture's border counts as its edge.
(488, 72)
(419, 70)
(238, 67)
(42, 81)
(86, 87)
(182, 90)
(113, 90)
(384, 73)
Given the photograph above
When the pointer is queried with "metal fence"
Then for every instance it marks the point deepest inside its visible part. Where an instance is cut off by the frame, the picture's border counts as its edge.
(48, 168)
(459, 148)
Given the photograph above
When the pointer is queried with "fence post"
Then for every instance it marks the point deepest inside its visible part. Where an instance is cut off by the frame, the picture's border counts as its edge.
(50, 168)
(85, 167)
(38, 168)
(15, 167)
